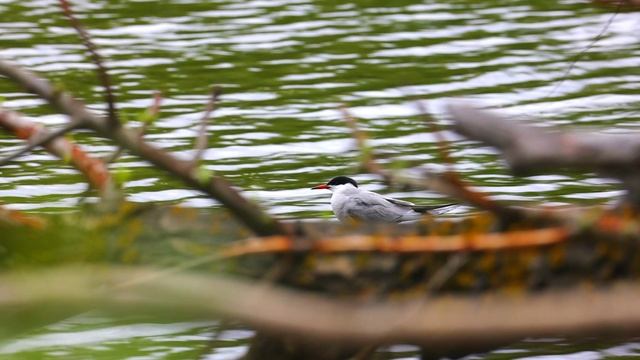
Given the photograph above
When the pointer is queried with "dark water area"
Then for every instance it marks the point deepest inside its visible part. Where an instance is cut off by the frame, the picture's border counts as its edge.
(285, 68)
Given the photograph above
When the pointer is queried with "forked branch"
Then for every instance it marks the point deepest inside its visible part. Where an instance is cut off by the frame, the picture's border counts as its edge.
(216, 187)
(101, 69)
(93, 169)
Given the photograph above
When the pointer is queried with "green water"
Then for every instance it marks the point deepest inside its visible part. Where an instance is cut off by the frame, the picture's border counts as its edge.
(285, 68)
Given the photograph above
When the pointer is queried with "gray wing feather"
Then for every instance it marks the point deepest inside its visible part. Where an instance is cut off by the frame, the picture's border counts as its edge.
(372, 207)
(399, 202)
(441, 209)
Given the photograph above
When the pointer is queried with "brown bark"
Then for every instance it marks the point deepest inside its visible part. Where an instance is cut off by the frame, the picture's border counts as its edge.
(216, 187)
(532, 150)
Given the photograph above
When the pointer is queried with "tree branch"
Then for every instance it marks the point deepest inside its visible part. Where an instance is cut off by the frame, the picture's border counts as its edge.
(408, 244)
(438, 323)
(201, 140)
(41, 139)
(448, 183)
(103, 74)
(149, 116)
(532, 150)
(216, 187)
(93, 169)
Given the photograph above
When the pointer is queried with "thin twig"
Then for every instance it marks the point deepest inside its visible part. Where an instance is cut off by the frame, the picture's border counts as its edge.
(37, 142)
(451, 177)
(93, 169)
(448, 183)
(589, 47)
(102, 72)
(368, 160)
(151, 113)
(443, 148)
(201, 140)
(216, 187)
(439, 183)
(454, 263)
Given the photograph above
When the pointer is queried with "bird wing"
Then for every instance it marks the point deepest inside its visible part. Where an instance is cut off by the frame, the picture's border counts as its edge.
(434, 209)
(399, 202)
(441, 209)
(371, 207)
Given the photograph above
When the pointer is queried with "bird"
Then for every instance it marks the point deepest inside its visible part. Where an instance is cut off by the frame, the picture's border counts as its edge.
(349, 202)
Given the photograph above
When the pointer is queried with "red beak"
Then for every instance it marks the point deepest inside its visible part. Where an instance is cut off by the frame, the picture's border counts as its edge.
(323, 186)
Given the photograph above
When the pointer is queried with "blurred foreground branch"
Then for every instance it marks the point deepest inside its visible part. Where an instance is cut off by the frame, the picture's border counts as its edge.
(533, 150)
(438, 323)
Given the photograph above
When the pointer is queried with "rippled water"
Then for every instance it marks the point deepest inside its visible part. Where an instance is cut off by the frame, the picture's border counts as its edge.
(287, 66)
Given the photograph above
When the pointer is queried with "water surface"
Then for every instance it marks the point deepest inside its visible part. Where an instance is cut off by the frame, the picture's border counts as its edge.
(286, 67)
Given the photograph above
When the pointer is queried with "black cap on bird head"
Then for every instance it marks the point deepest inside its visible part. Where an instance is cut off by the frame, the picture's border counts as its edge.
(341, 180)
(338, 180)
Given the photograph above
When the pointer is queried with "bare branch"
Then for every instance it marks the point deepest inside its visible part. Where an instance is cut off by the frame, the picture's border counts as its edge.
(93, 169)
(216, 187)
(41, 139)
(103, 74)
(453, 180)
(468, 322)
(620, 4)
(150, 115)
(448, 183)
(367, 160)
(443, 148)
(57, 98)
(531, 150)
(201, 140)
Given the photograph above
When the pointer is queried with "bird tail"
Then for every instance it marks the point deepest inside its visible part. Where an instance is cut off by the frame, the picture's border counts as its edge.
(434, 209)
